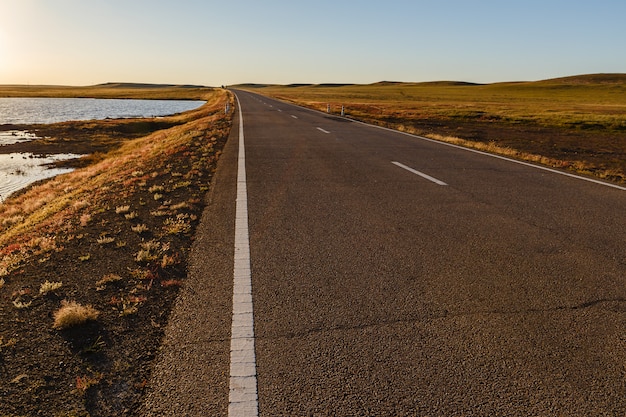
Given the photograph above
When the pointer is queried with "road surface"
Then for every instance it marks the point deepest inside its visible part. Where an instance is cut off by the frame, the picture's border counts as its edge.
(393, 275)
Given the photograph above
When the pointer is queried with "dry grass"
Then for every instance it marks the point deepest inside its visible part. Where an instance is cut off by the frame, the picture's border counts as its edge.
(73, 314)
(48, 286)
(41, 238)
(50, 208)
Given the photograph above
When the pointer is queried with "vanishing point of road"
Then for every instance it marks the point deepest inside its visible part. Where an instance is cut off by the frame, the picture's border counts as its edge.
(382, 274)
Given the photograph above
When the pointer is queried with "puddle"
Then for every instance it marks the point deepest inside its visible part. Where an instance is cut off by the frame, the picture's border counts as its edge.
(9, 137)
(18, 170)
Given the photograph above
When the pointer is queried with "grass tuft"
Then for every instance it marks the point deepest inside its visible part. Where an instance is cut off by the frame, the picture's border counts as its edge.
(140, 228)
(105, 240)
(48, 286)
(107, 279)
(73, 314)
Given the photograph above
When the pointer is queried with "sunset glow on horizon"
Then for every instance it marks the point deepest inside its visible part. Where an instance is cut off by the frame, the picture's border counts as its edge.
(73, 42)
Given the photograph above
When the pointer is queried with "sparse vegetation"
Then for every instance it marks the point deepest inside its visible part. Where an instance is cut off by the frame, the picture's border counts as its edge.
(139, 228)
(107, 279)
(105, 240)
(63, 228)
(48, 286)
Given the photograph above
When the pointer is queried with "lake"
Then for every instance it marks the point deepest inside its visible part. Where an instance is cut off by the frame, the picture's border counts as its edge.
(53, 110)
(18, 170)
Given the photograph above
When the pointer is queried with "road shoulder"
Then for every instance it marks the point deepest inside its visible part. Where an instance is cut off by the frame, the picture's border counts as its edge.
(190, 377)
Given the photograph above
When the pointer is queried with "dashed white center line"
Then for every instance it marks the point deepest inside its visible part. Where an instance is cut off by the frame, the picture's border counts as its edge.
(243, 396)
(322, 130)
(295, 117)
(421, 174)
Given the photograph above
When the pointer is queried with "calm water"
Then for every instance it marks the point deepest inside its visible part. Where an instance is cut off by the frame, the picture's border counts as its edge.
(17, 170)
(53, 110)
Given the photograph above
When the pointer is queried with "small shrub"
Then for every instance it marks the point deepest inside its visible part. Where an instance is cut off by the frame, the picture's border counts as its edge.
(73, 314)
(107, 279)
(182, 184)
(131, 215)
(105, 240)
(176, 226)
(140, 228)
(156, 188)
(145, 256)
(48, 286)
(179, 206)
(169, 261)
(142, 274)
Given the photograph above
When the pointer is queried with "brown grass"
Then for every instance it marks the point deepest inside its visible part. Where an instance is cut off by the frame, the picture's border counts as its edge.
(73, 314)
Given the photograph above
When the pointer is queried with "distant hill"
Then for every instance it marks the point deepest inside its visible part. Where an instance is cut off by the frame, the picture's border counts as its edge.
(145, 85)
(576, 80)
(588, 79)
(448, 84)
(251, 85)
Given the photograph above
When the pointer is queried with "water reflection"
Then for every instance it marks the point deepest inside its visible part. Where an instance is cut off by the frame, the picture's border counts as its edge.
(17, 170)
(10, 137)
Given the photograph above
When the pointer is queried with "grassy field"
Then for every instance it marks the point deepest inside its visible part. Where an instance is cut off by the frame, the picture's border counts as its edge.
(575, 122)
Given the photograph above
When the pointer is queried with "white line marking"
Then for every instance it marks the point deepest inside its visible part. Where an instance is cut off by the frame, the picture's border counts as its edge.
(280, 110)
(322, 130)
(295, 117)
(243, 397)
(421, 174)
(504, 158)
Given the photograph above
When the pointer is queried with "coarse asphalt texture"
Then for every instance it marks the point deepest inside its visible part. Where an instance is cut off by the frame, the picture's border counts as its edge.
(379, 292)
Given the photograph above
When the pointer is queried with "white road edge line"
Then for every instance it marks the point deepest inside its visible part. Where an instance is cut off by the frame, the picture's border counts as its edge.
(421, 174)
(322, 130)
(504, 158)
(243, 400)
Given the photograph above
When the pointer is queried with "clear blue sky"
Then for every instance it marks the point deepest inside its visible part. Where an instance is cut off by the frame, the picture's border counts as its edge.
(209, 42)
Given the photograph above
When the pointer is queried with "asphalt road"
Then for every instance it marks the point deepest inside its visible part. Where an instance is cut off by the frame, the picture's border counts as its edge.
(378, 291)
